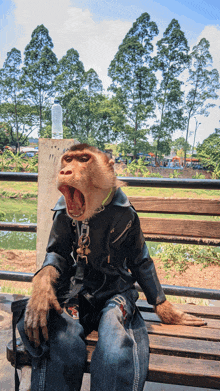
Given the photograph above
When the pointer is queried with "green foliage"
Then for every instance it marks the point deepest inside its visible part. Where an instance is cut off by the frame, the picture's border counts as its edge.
(39, 71)
(10, 161)
(175, 174)
(32, 164)
(171, 60)
(202, 83)
(198, 176)
(209, 153)
(2, 215)
(133, 80)
(180, 143)
(178, 257)
(138, 168)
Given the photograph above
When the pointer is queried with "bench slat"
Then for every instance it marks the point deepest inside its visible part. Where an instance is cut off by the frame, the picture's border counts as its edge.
(181, 239)
(178, 370)
(191, 206)
(184, 371)
(181, 227)
(205, 333)
(160, 344)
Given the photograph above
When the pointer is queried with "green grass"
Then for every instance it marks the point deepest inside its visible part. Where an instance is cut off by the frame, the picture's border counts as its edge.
(8, 288)
(11, 206)
(18, 189)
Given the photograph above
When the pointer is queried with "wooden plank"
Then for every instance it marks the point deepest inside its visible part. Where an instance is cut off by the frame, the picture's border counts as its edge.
(175, 346)
(179, 370)
(184, 371)
(203, 332)
(194, 228)
(181, 239)
(208, 207)
(49, 154)
(185, 348)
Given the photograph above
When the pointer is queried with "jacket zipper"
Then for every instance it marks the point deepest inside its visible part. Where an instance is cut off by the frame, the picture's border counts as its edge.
(126, 228)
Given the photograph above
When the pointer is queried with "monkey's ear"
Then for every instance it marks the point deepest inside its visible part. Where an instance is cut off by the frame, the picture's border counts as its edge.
(111, 161)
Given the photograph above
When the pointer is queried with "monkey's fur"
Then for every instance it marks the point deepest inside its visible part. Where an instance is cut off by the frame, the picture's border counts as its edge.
(85, 179)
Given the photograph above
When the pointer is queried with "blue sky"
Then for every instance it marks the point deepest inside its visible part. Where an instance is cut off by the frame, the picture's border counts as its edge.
(95, 28)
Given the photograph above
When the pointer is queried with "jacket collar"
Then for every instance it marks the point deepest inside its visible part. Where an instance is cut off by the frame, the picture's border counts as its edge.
(119, 199)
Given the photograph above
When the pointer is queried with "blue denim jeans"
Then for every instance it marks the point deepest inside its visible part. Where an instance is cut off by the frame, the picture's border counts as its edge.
(119, 362)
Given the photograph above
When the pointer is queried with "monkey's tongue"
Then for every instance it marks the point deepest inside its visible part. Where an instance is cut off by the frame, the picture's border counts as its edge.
(75, 202)
(78, 199)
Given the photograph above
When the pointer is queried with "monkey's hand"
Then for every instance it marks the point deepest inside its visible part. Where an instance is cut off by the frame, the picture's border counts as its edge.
(42, 300)
(170, 315)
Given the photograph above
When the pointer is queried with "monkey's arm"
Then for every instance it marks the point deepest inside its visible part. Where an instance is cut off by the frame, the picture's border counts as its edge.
(42, 300)
(170, 315)
(56, 266)
(143, 269)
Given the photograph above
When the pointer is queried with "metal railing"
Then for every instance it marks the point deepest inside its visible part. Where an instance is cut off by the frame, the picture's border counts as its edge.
(211, 294)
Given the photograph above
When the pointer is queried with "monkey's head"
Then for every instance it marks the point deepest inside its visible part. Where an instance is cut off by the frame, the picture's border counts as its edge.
(85, 178)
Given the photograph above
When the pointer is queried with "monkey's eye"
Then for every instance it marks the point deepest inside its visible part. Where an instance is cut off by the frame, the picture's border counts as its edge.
(84, 158)
(68, 159)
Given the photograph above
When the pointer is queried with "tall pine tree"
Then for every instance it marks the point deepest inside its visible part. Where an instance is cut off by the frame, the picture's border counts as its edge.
(39, 71)
(133, 80)
(13, 111)
(203, 84)
(171, 60)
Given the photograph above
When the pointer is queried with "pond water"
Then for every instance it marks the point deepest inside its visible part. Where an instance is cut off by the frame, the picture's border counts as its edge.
(19, 240)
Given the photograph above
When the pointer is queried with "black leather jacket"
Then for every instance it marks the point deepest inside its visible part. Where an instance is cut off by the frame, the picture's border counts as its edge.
(119, 255)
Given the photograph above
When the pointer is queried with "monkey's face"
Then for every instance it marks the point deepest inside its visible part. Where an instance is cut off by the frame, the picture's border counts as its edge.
(85, 176)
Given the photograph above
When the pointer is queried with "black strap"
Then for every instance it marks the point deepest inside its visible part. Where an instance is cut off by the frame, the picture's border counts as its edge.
(77, 282)
(17, 307)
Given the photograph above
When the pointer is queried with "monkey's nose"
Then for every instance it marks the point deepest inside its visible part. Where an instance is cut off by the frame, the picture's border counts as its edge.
(68, 172)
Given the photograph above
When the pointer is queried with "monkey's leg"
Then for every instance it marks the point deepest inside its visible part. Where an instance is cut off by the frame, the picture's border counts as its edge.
(120, 360)
(63, 364)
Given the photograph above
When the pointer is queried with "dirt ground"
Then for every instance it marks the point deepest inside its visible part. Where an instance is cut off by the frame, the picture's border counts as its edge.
(25, 261)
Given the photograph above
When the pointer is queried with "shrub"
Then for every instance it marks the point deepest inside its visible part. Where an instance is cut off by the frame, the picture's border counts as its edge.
(180, 256)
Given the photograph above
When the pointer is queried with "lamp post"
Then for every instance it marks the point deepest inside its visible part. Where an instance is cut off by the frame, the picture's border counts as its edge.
(197, 125)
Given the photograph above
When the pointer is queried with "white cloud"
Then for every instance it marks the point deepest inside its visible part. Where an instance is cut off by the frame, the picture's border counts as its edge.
(71, 27)
(212, 34)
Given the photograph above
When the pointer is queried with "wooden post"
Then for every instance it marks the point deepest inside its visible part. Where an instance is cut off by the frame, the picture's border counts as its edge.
(50, 151)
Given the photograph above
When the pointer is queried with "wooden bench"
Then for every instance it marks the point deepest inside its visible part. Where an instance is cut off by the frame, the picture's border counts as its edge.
(179, 355)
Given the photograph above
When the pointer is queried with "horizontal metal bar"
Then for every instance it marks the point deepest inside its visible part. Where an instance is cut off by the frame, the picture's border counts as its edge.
(200, 293)
(212, 294)
(16, 276)
(18, 176)
(22, 227)
(213, 184)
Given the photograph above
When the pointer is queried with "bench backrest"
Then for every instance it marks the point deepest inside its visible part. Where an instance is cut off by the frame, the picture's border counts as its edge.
(179, 230)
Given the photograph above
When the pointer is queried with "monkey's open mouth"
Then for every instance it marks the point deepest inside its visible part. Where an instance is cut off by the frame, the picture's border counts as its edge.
(75, 200)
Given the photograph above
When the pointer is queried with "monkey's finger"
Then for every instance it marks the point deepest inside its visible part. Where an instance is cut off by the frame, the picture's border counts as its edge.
(56, 306)
(190, 320)
(36, 336)
(28, 326)
(45, 332)
(43, 325)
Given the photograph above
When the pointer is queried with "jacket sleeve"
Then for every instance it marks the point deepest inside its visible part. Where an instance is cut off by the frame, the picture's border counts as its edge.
(142, 266)
(60, 243)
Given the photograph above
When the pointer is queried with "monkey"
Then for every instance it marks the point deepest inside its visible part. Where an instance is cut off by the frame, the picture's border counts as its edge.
(96, 268)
